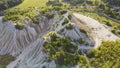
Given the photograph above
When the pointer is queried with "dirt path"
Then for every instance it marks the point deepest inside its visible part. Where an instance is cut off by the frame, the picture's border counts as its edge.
(97, 32)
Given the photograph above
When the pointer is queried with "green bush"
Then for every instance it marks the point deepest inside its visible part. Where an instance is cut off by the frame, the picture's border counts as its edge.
(19, 25)
(113, 31)
(81, 41)
(4, 18)
(83, 31)
(64, 52)
(108, 24)
(16, 15)
(49, 15)
(106, 56)
(35, 20)
(69, 16)
(57, 8)
(43, 11)
(69, 26)
(65, 21)
(63, 11)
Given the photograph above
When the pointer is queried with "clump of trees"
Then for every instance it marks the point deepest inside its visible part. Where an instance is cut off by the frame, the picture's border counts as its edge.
(4, 4)
(113, 2)
(116, 30)
(74, 2)
(108, 9)
(54, 3)
(64, 52)
(106, 56)
(49, 15)
(16, 15)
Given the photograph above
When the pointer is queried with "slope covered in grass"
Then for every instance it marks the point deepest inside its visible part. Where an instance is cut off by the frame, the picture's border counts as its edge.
(32, 3)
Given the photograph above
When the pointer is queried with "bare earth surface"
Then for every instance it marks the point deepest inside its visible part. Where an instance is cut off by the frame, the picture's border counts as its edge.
(95, 30)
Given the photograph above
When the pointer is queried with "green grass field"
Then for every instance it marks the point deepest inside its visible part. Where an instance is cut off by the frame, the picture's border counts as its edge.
(32, 3)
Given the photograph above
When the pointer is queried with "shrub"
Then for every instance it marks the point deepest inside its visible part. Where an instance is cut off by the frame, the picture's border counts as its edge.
(35, 20)
(81, 41)
(113, 31)
(83, 31)
(19, 26)
(105, 55)
(108, 24)
(49, 15)
(43, 11)
(4, 18)
(87, 44)
(53, 36)
(118, 32)
(57, 8)
(65, 21)
(63, 11)
(61, 50)
(69, 16)
(69, 26)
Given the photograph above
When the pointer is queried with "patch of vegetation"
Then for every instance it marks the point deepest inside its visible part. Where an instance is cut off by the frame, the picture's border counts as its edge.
(63, 11)
(106, 56)
(113, 3)
(81, 41)
(115, 30)
(65, 21)
(74, 2)
(83, 31)
(69, 17)
(4, 4)
(5, 60)
(109, 11)
(32, 3)
(50, 15)
(108, 24)
(54, 3)
(57, 8)
(17, 15)
(19, 26)
(69, 26)
(64, 52)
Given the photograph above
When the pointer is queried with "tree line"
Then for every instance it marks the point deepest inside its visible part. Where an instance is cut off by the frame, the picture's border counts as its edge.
(4, 4)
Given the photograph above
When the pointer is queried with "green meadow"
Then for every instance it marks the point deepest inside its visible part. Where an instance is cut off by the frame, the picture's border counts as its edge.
(32, 3)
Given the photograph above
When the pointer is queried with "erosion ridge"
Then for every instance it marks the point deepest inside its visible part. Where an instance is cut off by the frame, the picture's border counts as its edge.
(30, 53)
(59, 34)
